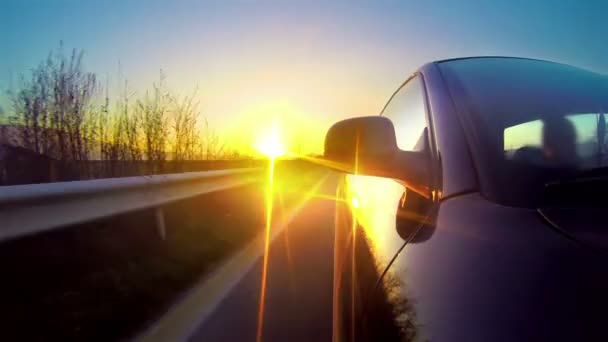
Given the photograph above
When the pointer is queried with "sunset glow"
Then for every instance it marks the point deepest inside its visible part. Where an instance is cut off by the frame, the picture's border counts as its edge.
(313, 64)
(259, 170)
(270, 145)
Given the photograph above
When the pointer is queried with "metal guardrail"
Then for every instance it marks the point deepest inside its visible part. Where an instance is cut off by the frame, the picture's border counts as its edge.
(34, 208)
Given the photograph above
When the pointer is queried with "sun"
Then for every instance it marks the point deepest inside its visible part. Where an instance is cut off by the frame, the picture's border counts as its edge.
(270, 144)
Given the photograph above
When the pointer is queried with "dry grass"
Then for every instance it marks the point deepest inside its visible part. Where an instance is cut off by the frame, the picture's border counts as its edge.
(106, 280)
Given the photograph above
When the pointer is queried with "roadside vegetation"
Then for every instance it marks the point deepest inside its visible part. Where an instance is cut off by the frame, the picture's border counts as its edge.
(65, 114)
(107, 280)
(110, 279)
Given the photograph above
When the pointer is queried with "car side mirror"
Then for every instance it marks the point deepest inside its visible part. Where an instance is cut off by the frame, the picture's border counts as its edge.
(368, 146)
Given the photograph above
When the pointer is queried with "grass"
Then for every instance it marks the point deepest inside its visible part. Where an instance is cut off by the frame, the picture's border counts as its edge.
(105, 280)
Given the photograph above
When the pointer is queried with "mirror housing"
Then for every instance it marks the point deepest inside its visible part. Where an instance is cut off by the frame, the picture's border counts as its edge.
(368, 146)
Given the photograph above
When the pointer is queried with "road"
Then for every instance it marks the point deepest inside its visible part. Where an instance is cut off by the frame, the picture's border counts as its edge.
(298, 304)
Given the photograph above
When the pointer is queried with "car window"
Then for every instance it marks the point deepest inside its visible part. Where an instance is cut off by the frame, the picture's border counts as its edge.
(522, 135)
(530, 123)
(407, 112)
(584, 146)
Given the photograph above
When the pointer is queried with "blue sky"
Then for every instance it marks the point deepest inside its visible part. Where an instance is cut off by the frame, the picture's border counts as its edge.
(318, 61)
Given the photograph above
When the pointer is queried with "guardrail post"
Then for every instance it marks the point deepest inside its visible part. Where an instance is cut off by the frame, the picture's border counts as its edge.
(160, 223)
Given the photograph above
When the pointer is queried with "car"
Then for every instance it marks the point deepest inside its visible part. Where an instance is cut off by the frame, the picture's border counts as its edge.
(474, 207)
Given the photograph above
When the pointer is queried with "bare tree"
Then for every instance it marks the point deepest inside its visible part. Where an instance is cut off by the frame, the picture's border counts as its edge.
(213, 147)
(51, 109)
(73, 90)
(154, 113)
(31, 105)
(185, 132)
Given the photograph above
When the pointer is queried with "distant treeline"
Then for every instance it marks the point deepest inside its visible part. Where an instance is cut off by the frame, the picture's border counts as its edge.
(63, 113)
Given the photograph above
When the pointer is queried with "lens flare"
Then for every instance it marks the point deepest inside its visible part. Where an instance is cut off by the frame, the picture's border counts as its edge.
(355, 202)
(270, 144)
(269, 208)
(269, 230)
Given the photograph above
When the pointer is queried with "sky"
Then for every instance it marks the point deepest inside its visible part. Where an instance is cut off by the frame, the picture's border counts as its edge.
(297, 65)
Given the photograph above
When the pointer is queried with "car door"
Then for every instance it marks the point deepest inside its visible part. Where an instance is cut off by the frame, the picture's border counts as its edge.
(383, 214)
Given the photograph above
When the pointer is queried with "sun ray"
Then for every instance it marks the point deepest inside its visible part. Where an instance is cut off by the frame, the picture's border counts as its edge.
(269, 221)
(269, 208)
(290, 264)
(355, 205)
(270, 145)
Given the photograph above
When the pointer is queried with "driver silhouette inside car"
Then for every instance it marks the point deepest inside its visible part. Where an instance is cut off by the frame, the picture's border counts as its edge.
(558, 149)
(559, 143)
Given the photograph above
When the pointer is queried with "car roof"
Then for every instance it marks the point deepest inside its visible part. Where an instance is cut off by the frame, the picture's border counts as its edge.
(492, 82)
(490, 56)
(455, 59)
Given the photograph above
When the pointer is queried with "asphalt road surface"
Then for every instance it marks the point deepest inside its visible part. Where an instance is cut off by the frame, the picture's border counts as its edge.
(298, 304)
